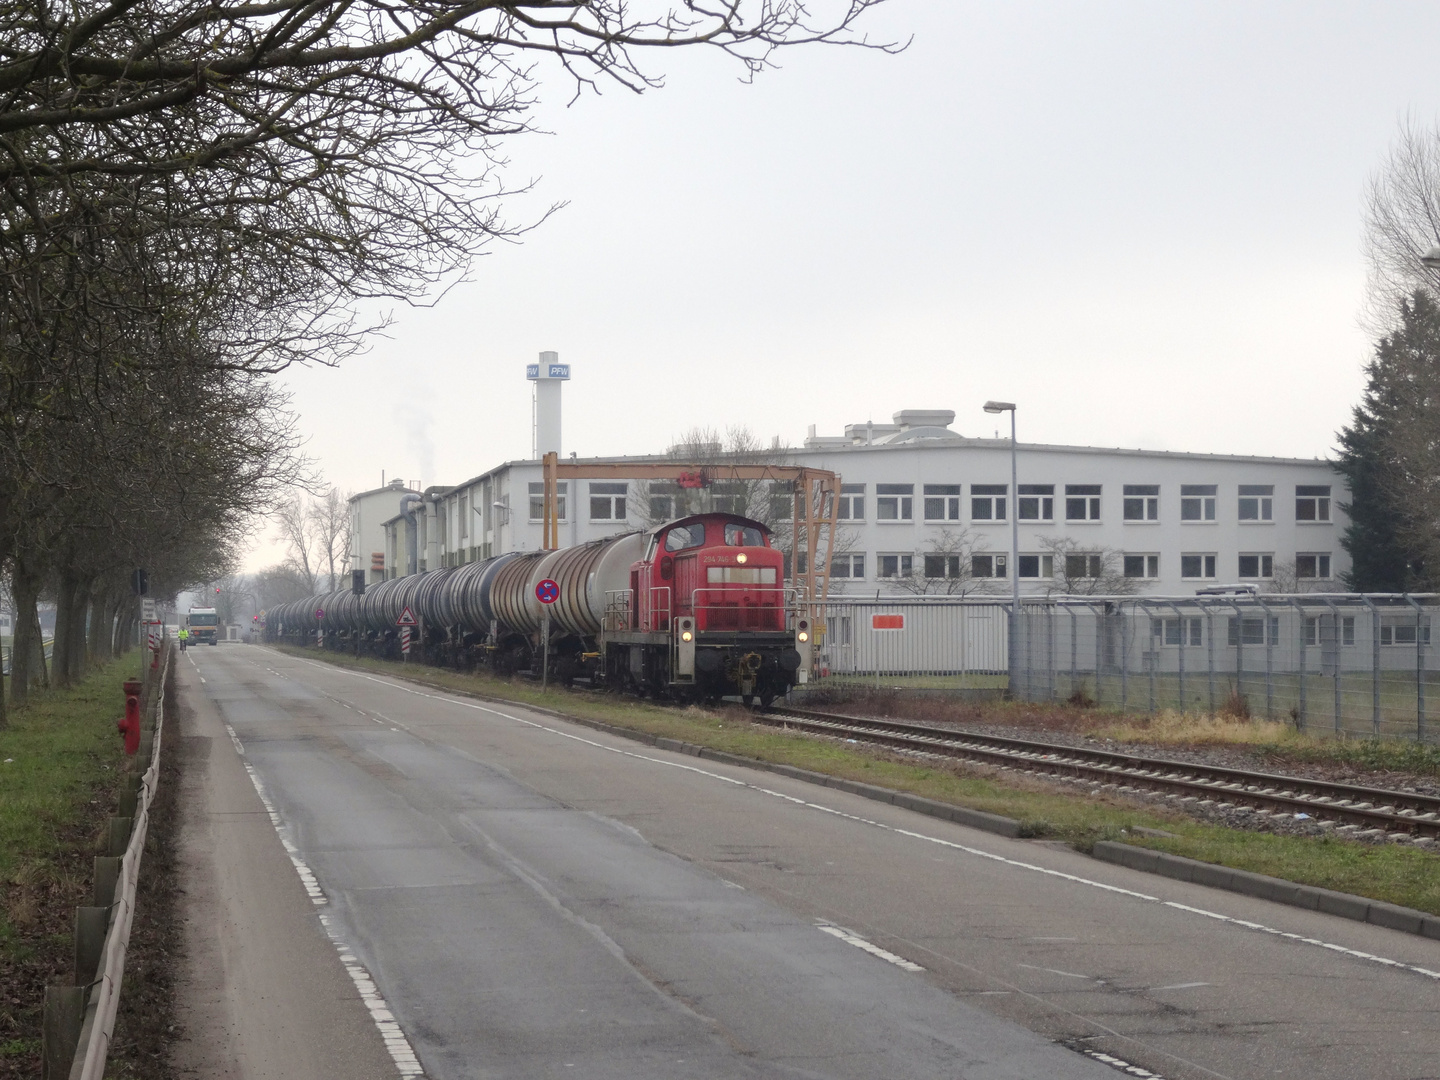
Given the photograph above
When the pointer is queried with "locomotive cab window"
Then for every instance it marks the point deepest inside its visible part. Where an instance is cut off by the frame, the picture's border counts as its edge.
(682, 537)
(743, 536)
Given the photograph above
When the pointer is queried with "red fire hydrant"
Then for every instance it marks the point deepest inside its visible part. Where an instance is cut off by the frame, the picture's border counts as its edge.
(130, 724)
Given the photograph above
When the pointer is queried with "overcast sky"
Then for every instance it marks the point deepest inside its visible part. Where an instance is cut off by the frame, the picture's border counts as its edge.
(1139, 221)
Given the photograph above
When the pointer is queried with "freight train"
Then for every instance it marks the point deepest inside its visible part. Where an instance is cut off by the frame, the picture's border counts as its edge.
(696, 609)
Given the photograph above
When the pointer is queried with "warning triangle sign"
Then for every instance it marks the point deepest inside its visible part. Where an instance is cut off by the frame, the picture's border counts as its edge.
(406, 618)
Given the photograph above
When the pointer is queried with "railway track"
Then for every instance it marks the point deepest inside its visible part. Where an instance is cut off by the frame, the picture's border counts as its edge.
(1395, 812)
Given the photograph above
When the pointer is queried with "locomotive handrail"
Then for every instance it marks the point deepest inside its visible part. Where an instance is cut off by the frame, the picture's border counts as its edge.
(618, 605)
(655, 608)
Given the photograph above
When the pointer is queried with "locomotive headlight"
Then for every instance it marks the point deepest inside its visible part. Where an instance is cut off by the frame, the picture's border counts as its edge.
(687, 636)
(742, 557)
(803, 636)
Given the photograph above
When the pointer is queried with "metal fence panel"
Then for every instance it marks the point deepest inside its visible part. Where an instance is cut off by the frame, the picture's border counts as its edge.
(1342, 663)
(914, 643)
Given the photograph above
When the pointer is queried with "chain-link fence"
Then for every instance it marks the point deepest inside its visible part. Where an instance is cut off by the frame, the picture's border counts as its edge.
(912, 643)
(1359, 664)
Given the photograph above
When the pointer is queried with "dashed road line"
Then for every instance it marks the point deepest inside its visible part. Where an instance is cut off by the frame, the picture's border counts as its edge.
(1122, 1065)
(1174, 905)
(852, 938)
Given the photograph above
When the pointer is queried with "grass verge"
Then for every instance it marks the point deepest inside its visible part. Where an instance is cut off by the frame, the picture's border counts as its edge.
(1399, 875)
(60, 767)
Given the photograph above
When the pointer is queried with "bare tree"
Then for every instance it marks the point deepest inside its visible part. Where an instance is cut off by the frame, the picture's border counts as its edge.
(1402, 224)
(1084, 570)
(948, 567)
(294, 522)
(767, 501)
(330, 526)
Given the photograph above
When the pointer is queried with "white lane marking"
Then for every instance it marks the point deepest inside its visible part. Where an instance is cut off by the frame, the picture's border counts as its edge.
(1180, 986)
(1174, 905)
(1053, 971)
(202, 678)
(1123, 1065)
(852, 938)
(398, 1046)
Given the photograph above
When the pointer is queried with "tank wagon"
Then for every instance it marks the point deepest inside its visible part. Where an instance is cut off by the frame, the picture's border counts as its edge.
(694, 609)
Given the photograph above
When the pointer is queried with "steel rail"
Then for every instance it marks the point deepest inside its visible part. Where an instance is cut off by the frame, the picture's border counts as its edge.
(1393, 811)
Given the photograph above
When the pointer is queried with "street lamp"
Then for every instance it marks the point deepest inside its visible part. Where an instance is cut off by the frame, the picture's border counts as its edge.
(1431, 259)
(1003, 407)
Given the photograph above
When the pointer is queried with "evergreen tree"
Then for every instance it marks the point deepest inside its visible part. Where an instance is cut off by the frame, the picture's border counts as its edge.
(1385, 458)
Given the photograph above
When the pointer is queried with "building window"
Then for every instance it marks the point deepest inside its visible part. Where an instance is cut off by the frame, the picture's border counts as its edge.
(662, 496)
(1257, 502)
(1186, 631)
(942, 502)
(942, 566)
(1084, 566)
(464, 515)
(1319, 630)
(895, 566)
(607, 501)
(1315, 565)
(852, 503)
(1251, 630)
(850, 565)
(1197, 567)
(1197, 502)
(987, 566)
(1082, 502)
(1035, 502)
(1403, 631)
(730, 497)
(1141, 502)
(1312, 502)
(537, 500)
(782, 500)
(1257, 566)
(1142, 566)
(894, 502)
(1037, 566)
(987, 502)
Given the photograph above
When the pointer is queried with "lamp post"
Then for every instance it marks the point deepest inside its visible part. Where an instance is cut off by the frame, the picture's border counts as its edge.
(1002, 407)
(1431, 259)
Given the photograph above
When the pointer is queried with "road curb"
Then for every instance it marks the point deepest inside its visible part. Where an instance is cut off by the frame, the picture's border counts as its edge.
(1309, 897)
(1345, 905)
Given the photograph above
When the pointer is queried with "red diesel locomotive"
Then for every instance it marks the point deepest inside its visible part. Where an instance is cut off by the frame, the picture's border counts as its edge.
(707, 614)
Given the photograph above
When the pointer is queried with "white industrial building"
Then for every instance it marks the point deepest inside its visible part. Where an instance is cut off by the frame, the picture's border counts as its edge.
(934, 509)
(917, 495)
(924, 509)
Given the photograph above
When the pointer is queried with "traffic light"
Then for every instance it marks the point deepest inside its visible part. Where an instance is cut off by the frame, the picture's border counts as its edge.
(139, 582)
(217, 590)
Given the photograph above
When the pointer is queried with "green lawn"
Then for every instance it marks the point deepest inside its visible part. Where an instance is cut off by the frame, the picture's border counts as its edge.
(1400, 875)
(60, 765)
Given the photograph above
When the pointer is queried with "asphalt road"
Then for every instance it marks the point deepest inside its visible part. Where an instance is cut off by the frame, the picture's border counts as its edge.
(478, 890)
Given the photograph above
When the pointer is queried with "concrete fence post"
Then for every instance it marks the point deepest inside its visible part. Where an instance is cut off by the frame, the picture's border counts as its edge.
(107, 873)
(91, 924)
(60, 1030)
(119, 836)
(1420, 634)
(1301, 643)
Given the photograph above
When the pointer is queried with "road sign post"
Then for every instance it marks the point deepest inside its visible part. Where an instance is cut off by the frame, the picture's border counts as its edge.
(547, 592)
(407, 622)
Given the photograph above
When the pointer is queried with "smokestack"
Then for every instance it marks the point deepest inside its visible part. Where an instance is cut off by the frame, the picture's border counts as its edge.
(547, 375)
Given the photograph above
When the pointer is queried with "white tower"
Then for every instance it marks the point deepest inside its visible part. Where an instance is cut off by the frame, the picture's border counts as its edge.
(547, 375)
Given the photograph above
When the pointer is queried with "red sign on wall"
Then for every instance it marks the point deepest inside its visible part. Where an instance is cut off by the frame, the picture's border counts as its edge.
(887, 622)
